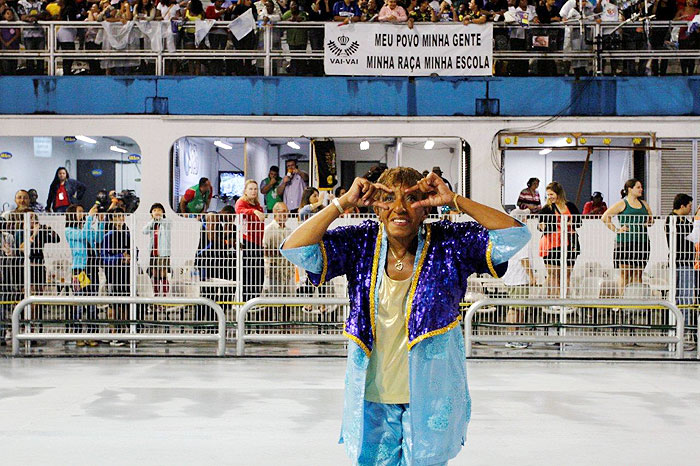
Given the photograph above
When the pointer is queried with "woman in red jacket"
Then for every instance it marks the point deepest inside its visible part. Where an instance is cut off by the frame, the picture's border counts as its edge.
(253, 218)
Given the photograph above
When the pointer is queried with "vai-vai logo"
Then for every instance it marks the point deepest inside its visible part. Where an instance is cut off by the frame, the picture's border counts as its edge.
(344, 48)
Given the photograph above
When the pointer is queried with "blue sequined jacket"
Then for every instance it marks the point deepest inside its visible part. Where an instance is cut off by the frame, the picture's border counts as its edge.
(448, 253)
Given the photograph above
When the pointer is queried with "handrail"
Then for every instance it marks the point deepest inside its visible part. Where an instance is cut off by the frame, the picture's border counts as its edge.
(220, 337)
(243, 312)
(678, 339)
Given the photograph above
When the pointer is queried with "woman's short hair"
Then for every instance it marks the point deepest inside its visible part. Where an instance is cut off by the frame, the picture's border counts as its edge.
(400, 176)
(532, 181)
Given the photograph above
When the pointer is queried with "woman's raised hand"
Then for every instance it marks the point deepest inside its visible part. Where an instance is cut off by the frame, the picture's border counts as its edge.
(435, 190)
(364, 193)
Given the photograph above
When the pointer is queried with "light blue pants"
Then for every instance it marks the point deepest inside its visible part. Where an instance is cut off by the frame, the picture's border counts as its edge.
(386, 436)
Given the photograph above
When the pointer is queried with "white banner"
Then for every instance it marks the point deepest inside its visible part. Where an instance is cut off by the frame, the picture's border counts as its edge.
(381, 49)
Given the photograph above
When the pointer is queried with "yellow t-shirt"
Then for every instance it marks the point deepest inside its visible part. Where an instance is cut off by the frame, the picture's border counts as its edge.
(54, 9)
(387, 375)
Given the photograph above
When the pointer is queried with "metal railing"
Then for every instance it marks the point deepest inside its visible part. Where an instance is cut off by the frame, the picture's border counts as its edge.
(17, 336)
(242, 337)
(677, 339)
(269, 48)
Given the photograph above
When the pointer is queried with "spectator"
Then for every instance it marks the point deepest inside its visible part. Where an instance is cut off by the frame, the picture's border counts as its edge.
(158, 230)
(268, 186)
(91, 35)
(33, 204)
(551, 243)
(574, 40)
(280, 275)
(21, 203)
(446, 13)
(686, 39)
(523, 16)
(218, 36)
(63, 191)
(197, 198)
(665, 10)
(9, 40)
(292, 186)
(474, 15)
(83, 239)
(262, 8)
(391, 12)
(609, 13)
(369, 10)
(318, 10)
(339, 191)
(244, 67)
(145, 10)
(32, 11)
(296, 39)
(311, 203)
(116, 257)
(253, 219)
(40, 235)
(632, 241)
(547, 13)
(422, 14)
(193, 12)
(216, 258)
(12, 266)
(438, 171)
(595, 207)
(518, 279)
(529, 198)
(65, 36)
(346, 11)
(686, 276)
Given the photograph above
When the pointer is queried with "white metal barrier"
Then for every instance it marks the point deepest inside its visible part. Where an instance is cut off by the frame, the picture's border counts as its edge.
(219, 337)
(241, 336)
(677, 339)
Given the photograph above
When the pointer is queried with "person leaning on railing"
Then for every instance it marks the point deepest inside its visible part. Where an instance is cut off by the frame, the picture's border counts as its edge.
(368, 9)
(296, 39)
(346, 11)
(392, 12)
(474, 15)
(9, 40)
(32, 11)
(688, 40)
(423, 13)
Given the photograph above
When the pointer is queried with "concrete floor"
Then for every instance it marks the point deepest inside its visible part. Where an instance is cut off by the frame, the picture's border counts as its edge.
(287, 411)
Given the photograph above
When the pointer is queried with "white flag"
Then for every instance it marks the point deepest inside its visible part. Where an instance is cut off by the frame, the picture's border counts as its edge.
(243, 25)
(201, 29)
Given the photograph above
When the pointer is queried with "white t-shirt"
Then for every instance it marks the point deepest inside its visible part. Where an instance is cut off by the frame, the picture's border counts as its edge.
(516, 273)
(168, 12)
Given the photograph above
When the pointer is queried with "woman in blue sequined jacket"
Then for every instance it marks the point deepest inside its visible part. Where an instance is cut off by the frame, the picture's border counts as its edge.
(406, 398)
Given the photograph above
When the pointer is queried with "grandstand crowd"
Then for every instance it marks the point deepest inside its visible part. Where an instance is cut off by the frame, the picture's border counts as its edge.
(524, 20)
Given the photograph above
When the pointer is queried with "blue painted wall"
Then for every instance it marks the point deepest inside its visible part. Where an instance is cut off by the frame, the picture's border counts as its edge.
(100, 95)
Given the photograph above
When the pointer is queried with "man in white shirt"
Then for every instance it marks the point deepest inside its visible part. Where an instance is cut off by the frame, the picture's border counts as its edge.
(573, 38)
(521, 17)
(279, 273)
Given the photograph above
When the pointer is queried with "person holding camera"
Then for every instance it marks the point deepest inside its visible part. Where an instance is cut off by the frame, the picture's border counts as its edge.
(292, 186)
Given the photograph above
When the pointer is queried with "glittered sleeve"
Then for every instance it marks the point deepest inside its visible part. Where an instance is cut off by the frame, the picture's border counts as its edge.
(473, 249)
(333, 256)
(506, 242)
